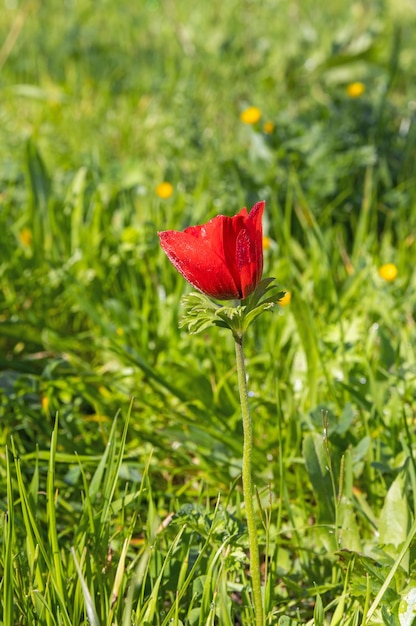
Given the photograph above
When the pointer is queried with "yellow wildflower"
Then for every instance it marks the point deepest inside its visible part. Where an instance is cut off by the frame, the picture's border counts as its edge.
(355, 90)
(268, 127)
(388, 272)
(164, 190)
(286, 299)
(267, 242)
(251, 115)
(25, 237)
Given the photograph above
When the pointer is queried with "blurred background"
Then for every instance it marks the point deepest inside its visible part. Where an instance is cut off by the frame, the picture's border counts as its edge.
(119, 119)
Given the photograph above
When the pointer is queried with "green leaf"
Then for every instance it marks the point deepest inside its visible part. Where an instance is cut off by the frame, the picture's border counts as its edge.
(316, 463)
(348, 531)
(394, 517)
(407, 607)
(318, 612)
(201, 312)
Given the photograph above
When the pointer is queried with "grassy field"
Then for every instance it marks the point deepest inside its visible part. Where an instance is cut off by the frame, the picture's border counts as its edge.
(120, 432)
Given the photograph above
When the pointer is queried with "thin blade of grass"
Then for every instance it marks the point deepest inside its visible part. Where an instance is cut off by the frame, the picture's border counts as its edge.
(51, 514)
(89, 603)
(8, 600)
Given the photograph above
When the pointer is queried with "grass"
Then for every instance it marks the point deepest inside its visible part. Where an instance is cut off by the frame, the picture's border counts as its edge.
(121, 435)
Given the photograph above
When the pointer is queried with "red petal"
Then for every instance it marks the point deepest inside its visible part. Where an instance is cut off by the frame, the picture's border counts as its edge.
(198, 254)
(223, 258)
(249, 250)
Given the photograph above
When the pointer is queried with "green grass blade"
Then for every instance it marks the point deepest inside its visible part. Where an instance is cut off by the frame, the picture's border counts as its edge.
(8, 545)
(115, 459)
(45, 561)
(89, 603)
(151, 606)
(51, 515)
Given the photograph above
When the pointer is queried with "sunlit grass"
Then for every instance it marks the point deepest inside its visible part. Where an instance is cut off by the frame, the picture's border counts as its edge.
(120, 436)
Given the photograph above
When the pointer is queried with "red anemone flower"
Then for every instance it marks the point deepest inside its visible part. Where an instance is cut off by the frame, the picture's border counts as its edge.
(223, 258)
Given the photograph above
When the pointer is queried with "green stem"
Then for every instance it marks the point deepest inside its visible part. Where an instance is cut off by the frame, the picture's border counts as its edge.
(247, 484)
